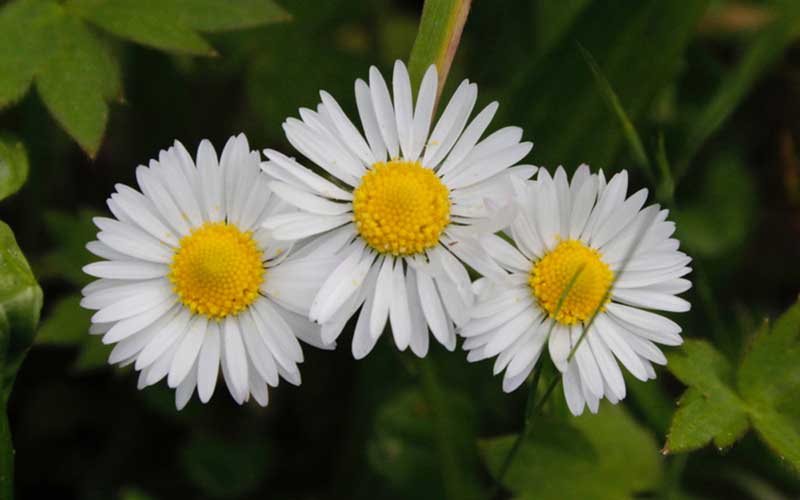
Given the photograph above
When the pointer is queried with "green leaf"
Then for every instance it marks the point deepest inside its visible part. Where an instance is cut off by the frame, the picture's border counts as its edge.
(20, 304)
(29, 24)
(638, 50)
(607, 456)
(78, 81)
(767, 380)
(66, 324)
(615, 106)
(172, 25)
(225, 468)
(13, 166)
(437, 38)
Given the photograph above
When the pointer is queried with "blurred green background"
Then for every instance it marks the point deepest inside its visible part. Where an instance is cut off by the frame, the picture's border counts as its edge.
(716, 83)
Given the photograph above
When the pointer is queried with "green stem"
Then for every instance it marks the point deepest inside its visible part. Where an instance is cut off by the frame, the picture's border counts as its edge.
(437, 39)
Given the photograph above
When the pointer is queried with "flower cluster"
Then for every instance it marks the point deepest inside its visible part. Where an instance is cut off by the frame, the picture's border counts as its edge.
(225, 262)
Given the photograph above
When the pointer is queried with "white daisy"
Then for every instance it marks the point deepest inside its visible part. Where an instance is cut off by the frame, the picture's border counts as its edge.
(191, 282)
(401, 207)
(581, 237)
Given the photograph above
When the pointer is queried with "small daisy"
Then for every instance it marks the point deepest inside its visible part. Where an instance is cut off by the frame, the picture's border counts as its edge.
(401, 208)
(581, 237)
(192, 283)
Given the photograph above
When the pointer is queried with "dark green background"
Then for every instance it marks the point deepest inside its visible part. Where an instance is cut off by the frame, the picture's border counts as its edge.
(360, 429)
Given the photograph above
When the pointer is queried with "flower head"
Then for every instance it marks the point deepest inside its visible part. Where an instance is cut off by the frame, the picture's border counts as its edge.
(191, 283)
(586, 256)
(402, 208)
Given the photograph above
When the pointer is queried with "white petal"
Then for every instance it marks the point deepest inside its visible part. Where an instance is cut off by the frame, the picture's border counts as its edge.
(381, 299)
(208, 363)
(423, 112)
(288, 170)
(434, 311)
(234, 360)
(450, 124)
(369, 121)
(126, 270)
(350, 135)
(308, 202)
(298, 225)
(401, 89)
(384, 111)
(187, 352)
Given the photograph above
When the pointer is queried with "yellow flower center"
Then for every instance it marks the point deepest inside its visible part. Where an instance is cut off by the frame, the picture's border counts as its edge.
(217, 270)
(574, 276)
(401, 207)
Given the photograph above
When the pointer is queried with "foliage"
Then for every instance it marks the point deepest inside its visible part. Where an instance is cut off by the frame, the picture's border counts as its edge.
(614, 457)
(75, 71)
(698, 100)
(722, 402)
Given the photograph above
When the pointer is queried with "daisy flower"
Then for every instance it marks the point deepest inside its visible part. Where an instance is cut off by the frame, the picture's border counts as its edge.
(191, 283)
(401, 207)
(574, 240)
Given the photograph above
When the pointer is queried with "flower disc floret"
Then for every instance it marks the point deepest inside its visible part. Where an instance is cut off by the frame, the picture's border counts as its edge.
(401, 208)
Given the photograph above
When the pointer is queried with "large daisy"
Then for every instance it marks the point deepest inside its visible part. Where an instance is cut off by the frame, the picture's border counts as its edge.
(191, 283)
(580, 246)
(401, 207)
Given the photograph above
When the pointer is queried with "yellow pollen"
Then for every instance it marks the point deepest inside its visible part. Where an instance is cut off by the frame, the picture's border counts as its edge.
(550, 277)
(217, 270)
(401, 207)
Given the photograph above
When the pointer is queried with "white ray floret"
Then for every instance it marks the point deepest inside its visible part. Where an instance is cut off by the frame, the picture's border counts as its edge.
(403, 207)
(191, 284)
(581, 246)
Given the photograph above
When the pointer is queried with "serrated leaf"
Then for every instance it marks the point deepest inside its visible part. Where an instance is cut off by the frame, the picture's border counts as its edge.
(709, 410)
(210, 16)
(142, 21)
(607, 456)
(66, 324)
(13, 166)
(78, 81)
(767, 380)
(173, 25)
(29, 24)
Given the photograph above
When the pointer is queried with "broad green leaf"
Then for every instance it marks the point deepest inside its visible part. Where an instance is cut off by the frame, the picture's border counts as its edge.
(769, 378)
(66, 324)
(20, 304)
(225, 468)
(718, 219)
(13, 166)
(607, 456)
(173, 25)
(437, 38)
(767, 381)
(638, 50)
(710, 409)
(208, 16)
(29, 24)
(406, 447)
(78, 81)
